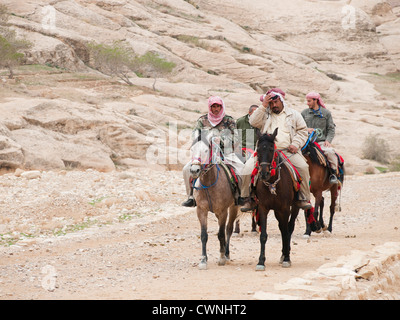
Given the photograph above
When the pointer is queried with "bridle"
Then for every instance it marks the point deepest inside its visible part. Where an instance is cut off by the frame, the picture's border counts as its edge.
(206, 166)
(272, 171)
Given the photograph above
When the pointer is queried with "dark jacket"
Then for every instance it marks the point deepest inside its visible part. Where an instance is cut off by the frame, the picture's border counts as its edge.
(248, 132)
(322, 120)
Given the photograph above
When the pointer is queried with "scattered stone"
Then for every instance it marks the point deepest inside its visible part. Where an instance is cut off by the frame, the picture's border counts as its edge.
(34, 174)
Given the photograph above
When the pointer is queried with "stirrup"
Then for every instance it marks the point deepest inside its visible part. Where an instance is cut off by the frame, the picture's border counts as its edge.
(189, 203)
(249, 205)
(333, 179)
(303, 204)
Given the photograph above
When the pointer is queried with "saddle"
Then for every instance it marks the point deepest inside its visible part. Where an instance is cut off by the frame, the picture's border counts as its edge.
(294, 174)
(317, 156)
(282, 159)
(232, 178)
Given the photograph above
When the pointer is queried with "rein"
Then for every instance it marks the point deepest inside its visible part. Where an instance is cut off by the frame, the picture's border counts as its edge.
(203, 173)
(272, 186)
(311, 138)
(212, 161)
(205, 188)
(274, 165)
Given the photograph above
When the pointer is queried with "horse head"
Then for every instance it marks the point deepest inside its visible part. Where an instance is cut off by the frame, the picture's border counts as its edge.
(203, 151)
(266, 154)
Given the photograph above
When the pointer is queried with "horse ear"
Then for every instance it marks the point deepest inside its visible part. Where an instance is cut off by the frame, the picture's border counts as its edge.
(275, 133)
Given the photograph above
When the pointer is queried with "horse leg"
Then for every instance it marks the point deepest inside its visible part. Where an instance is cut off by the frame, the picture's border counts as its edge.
(253, 222)
(294, 213)
(307, 233)
(321, 214)
(317, 227)
(229, 228)
(283, 218)
(202, 215)
(221, 237)
(237, 227)
(263, 239)
(334, 195)
(318, 200)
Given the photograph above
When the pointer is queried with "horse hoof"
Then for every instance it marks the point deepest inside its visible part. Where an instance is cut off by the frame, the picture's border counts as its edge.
(286, 264)
(327, 234)
(202, 266)
(260, 268)
(306, 236)
(222, 261)
(235, 234)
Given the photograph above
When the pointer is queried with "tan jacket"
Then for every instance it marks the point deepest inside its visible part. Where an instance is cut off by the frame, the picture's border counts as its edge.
(294, 122)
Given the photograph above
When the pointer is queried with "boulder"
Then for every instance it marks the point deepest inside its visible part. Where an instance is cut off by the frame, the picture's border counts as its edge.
(46, 150)
(11, 155)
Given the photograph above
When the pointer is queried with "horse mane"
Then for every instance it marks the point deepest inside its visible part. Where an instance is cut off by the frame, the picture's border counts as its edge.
(266, 138)
(314, 154)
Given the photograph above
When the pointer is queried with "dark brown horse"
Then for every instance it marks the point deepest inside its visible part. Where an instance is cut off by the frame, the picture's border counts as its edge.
(319, 176)
(274, 191)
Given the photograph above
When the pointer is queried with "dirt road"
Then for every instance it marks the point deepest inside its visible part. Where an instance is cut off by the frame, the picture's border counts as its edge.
(155, 256)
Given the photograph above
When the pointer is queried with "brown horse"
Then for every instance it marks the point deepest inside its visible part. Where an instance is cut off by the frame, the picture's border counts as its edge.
(274, 191)
(212, 192)
(319, 176)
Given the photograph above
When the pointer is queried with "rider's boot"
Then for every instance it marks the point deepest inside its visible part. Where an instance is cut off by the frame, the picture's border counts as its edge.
(248, 204)
(190, 202)
(333, 178)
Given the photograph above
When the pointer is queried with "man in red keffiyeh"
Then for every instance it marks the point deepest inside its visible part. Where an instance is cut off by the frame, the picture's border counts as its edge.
(319, 118)
(215, 119)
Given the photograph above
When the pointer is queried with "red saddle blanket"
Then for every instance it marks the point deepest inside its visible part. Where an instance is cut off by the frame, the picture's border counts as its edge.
(282, 159)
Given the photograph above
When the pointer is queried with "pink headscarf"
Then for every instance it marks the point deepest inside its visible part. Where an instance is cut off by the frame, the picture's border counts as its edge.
(212, 118)
(316, 95)
(273, 90)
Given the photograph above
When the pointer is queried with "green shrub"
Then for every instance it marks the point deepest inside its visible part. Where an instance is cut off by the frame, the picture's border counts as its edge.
(152, 65)
(395, 165)
(120, 60)
(375, 148)
(114, 60)
(10, 45)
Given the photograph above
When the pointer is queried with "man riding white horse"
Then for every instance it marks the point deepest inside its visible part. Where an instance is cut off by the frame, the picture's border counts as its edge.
(216, 120)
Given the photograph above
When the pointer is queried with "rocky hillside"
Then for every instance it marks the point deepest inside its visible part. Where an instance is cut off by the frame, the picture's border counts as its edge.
(59, 113)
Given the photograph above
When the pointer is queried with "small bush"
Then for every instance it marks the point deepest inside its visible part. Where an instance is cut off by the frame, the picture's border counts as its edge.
(376, 149)
(10, 45)
(116, 59)
(120, 60)
(395, 165)
(152, 65)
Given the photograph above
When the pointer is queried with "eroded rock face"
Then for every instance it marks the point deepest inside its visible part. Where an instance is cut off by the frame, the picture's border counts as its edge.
(217, 50)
